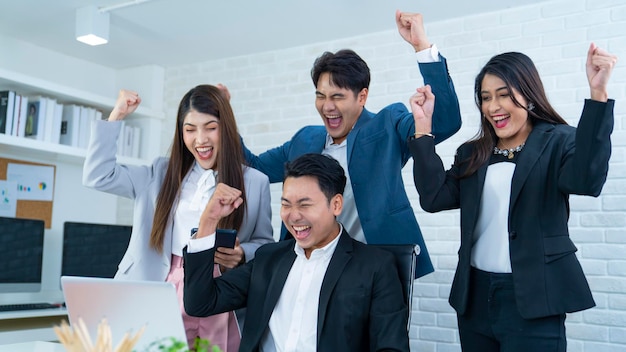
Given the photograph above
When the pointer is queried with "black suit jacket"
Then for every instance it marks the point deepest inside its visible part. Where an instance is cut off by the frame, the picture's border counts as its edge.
(557, 160)
(361, 307)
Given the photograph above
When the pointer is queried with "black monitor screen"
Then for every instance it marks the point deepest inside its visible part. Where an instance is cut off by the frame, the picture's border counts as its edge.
(21, 254)
(93, 250)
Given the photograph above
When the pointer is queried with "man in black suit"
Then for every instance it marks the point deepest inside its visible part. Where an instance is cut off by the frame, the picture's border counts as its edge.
(321, 291)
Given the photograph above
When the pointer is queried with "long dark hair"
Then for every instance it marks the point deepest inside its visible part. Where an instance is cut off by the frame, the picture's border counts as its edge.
(205, 99)
(520, 74)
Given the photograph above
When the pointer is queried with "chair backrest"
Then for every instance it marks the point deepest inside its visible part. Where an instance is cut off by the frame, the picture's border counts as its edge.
(406, 257)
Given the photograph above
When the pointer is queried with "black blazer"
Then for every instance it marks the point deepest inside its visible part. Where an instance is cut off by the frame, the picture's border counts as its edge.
(361, 307)
(557, 160)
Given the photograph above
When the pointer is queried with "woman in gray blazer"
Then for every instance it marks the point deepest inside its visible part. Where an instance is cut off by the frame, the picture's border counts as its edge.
(170, 195)
(518, 274)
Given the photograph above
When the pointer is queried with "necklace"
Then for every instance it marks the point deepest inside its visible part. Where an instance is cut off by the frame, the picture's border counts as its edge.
(509, 153)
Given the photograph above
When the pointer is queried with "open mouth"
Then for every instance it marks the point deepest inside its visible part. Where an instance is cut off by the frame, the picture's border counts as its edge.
(204, 152)
(334, 121)
(301, 231)
(501, 122)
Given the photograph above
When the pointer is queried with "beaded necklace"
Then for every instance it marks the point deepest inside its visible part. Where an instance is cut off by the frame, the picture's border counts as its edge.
(509, 153)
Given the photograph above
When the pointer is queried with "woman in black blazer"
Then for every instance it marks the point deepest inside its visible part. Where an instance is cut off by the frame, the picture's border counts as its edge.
(518, 274)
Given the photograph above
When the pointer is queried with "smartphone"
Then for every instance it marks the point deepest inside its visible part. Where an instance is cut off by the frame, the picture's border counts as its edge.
(225, 238)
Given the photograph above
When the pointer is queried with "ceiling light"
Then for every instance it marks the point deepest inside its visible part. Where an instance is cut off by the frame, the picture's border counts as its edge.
(92, 25)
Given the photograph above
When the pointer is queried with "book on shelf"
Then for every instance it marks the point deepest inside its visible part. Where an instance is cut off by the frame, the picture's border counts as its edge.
(7, 102)
(36, 118)
(45, 119)
(55, 134)
(49, 119)
(87, 115)
(19, 115)
(70, 125)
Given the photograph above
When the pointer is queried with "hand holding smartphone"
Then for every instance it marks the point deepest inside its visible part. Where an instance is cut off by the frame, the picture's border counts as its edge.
(225, 238)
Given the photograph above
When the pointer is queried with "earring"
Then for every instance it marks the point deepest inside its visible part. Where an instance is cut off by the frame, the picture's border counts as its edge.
(531, 106)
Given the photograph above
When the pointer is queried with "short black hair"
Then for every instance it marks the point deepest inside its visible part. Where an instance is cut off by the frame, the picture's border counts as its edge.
(329, 174)
(347, 70)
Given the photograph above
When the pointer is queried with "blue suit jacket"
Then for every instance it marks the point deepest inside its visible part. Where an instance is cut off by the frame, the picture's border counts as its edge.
(377, 152)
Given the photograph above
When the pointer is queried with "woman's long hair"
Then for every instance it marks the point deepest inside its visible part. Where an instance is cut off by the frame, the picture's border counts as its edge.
(520, 74)
(205, 99)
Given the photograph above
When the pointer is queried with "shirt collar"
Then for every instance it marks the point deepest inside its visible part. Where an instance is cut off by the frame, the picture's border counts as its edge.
(323, 252)
(205, 180)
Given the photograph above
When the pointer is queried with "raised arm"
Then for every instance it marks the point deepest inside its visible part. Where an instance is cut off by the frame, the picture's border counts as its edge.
(447, 114)
(438, 188)
(100, 169)
(599, 66)
(586, 163)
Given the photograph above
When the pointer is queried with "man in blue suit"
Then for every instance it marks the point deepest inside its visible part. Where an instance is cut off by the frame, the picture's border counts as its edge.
(371, 147)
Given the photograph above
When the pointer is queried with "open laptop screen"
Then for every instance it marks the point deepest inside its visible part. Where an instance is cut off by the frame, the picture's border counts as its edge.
(127, 306)
(93, 250)
(21, 254)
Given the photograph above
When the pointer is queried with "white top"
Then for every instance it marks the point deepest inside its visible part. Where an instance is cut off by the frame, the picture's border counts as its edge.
(490, 251)
(197, 188)
(293, 324)
(349, 216)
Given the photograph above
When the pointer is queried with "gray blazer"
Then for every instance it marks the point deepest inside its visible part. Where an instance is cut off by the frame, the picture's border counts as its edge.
(142, 184)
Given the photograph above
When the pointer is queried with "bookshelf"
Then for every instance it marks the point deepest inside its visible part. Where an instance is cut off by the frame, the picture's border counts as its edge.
(70, 81)
(149, 121)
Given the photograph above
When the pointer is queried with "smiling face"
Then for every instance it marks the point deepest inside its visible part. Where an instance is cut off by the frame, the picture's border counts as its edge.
(202, 138)
(339, 108)
(308, 214)
(510, 122)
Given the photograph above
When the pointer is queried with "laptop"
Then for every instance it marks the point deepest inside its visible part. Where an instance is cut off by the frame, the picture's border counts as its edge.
(127, 306)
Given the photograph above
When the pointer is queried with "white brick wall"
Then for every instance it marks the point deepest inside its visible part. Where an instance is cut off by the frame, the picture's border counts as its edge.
(272, 95)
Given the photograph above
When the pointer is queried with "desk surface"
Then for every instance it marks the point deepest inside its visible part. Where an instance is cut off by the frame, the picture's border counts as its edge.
(32, 313)
(34, 346)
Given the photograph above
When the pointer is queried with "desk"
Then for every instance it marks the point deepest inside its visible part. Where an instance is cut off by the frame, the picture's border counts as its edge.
(34, 346)
(30, 325)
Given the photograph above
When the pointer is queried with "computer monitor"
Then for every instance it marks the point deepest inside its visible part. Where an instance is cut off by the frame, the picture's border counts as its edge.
(21, 254)
(93, 250)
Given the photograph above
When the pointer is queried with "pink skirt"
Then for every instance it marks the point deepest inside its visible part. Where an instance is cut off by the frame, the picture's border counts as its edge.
(219, 329)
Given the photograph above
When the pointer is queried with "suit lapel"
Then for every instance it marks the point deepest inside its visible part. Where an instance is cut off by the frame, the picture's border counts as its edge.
(535, 145)
(342, 255)
(477, 183)
(363, 119)
(276, 284)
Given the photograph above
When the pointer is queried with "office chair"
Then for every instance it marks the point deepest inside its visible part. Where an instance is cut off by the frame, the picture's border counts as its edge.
(406, 257)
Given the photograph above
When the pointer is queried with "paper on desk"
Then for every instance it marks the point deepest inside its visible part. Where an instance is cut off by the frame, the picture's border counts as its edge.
(34, 182)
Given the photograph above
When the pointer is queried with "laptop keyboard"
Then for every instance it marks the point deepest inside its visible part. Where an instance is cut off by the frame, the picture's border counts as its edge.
(28, 306)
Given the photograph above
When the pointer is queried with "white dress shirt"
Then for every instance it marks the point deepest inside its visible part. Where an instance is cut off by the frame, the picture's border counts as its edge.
(490, 251)
(197, 188)
(349, 216)
(293, 324)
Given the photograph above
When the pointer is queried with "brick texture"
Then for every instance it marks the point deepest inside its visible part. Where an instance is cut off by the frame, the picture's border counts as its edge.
(272, 96)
